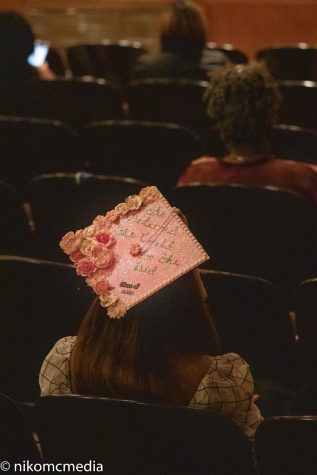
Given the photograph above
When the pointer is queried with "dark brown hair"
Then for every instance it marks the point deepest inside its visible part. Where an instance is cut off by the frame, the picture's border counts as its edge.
(131, 357)
(243, 102)
(183, 29)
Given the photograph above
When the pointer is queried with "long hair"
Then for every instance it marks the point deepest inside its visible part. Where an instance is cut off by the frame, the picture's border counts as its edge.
(133, 357)
(183, 29)
(243, 102)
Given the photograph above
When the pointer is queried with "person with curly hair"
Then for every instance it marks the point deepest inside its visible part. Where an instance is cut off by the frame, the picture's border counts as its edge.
(243, 103)
(182, 42)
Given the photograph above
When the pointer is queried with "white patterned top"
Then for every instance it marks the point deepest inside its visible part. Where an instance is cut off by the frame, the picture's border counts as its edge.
(227, 387)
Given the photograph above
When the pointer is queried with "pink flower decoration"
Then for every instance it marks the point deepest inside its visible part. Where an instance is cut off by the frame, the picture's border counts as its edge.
(76, 256)
(108, 298)
(89, 232)
(102, 237)
(71, 241)
(104, 259)
(85, 267)
(101, 287)
(121, 209)
(87, 247)
(102, 223)
(116, 310)
(112, 216)
(149, 194)
(92, 279)
(135, 250)
(133, 202)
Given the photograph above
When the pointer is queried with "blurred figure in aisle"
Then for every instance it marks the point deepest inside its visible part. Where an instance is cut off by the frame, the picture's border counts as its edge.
(182, 43)
(243, 103)
(16, 44)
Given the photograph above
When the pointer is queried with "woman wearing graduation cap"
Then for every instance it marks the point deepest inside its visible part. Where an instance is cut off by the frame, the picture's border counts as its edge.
(148, 335)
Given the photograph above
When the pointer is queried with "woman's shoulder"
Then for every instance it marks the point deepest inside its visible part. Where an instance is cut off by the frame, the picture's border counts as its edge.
(54, 373)
(63, 346)
(227, 371)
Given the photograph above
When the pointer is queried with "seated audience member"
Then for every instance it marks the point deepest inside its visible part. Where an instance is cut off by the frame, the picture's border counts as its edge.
(182, 42)
(162, 350)
(243, 102)
(16, 44)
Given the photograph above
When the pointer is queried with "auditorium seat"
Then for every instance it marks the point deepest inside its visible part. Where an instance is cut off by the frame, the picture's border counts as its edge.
(135, 438)
(55, 62)
(15, 234)
(299, 103)
(66, 202)
(252, 320)
(40, 302)
(294, 62)
(260, 231)
(73, 101)
(286, 445)
(293, 142)
(178, 101)
(31, 146)
(153, 152)
(17, 442)
(113, 61)
(233, 54)
(305, 306)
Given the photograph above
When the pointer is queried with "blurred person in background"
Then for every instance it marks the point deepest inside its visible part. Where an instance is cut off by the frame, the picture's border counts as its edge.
(182, 42)
(16, 45)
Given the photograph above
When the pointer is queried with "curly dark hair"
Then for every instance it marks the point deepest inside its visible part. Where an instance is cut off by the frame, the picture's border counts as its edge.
(242, 102)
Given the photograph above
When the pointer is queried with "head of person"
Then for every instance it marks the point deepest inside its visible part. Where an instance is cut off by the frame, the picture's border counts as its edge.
(132, 357)
(183, 29)
(243, 102)
(16, 40)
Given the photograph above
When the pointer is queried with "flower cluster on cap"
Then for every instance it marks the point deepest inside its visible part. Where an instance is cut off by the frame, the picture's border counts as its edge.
(92, 249)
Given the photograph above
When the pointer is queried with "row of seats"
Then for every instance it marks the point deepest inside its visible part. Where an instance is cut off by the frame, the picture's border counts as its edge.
(115, 61)
(152, 152)
(178, 101)
(261, 231)
(137, 438)
(250, 313)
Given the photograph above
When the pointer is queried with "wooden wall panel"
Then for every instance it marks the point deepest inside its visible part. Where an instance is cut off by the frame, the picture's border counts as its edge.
(248, 24)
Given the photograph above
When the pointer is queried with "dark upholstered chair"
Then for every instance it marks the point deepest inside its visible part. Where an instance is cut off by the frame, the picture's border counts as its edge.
(299, 103)
(15, 234)
(252, 320)
(293, 142)
(30, 146)
(305, 306)
(65, 202)
(265, 231)
(134, 438)
(305, 401)
(40, 302)
(109, 60)
(233, 54)
(155, 153)
(73, 101)
(17, 443)
(291, 62)
(55, 62)
(287, 445)
(178, 101)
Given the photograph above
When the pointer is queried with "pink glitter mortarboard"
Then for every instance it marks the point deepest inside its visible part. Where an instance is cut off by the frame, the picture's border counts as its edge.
(133, 251)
